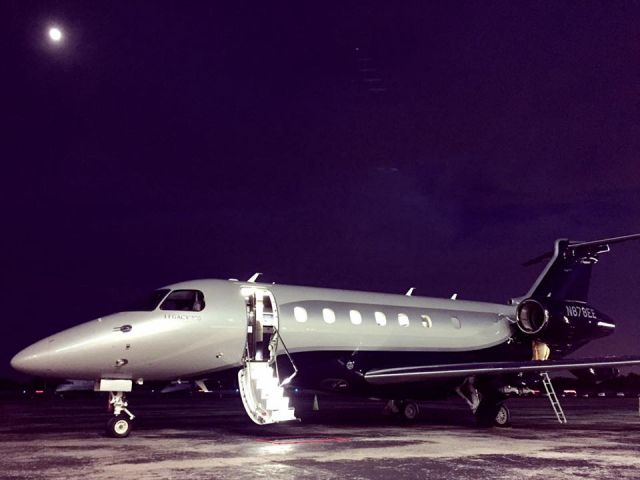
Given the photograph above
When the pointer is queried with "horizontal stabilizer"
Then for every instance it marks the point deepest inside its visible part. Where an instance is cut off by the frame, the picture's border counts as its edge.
(605, 241)
(422, 373)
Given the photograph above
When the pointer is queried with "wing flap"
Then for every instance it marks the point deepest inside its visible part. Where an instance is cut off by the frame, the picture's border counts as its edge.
(430, 372)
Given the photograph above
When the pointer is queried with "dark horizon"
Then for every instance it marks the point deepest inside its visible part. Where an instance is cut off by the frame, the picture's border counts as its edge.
(366, 146)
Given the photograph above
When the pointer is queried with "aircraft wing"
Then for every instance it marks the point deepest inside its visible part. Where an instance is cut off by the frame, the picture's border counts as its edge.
(430, 372)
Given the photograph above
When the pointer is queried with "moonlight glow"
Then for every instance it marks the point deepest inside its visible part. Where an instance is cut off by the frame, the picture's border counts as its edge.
(55, 34)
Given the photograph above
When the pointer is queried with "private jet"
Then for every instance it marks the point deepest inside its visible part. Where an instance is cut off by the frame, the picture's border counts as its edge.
(400, 348)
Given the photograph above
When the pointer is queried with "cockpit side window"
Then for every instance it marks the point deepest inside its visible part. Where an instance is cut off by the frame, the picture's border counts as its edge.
(148, 303)
(184, 300)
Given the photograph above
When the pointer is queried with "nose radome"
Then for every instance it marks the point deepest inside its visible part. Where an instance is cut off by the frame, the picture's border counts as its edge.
(26, 362)
(20, 362)
(80, 352)
(36, 359)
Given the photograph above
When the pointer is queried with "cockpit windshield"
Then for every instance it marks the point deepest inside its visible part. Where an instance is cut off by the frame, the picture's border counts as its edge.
(184, 300)
(148, 303)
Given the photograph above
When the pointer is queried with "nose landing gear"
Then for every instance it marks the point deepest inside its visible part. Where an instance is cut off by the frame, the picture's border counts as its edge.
(119, 426)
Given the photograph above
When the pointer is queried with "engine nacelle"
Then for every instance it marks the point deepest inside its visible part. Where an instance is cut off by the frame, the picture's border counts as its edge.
(565, 325)
(532, 317)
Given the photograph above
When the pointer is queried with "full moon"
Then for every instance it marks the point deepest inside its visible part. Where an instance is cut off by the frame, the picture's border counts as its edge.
(55, 34)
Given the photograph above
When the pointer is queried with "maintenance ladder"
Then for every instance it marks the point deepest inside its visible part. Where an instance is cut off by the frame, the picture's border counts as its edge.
(553, 398)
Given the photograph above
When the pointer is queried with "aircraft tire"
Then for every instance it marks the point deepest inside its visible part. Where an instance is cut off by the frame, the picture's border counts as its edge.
(502, 417)
(409, 411)
(493, 415)
(119, 427)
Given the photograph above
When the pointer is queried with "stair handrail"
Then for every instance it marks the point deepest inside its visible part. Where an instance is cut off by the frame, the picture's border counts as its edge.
(286, 350)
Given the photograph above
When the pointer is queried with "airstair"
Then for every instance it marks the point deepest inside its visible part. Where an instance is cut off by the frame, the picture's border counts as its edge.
(259, 382)
(553, 398)
(262, 395)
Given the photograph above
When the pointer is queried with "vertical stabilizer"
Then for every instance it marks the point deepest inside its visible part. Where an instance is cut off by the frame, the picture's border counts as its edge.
(568, 273)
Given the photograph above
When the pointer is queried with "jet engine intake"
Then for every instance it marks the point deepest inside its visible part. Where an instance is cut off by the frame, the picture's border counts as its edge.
(532, 317)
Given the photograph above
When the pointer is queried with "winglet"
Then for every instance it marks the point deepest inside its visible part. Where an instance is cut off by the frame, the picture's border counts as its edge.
(410, 291)
(254, 277)
(454, 296)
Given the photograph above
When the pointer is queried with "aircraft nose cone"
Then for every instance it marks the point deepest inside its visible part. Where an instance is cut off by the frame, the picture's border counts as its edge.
(20, 362)
(34, 360)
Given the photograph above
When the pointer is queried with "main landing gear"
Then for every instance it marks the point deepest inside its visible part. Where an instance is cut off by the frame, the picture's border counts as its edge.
(119, 426)
(492, 414)
(487, 406)
(407, 410)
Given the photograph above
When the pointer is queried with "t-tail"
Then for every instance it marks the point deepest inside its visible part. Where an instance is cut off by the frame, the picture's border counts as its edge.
(555, 312)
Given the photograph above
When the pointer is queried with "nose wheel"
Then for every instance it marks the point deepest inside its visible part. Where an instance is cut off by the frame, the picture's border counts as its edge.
(119, 426)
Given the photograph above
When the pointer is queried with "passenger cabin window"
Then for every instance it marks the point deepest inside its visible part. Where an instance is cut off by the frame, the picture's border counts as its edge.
(403, 320)
(355, 316)
(184, 300)
(148, 303)
(328, 315)
(381, 318)
(456, 322)
(426, 321)
(300, 314)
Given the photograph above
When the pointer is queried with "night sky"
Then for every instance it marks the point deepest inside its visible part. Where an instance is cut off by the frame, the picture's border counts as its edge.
(366, 145)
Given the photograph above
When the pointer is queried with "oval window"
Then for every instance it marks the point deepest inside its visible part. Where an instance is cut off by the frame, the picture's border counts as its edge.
(456, 322)
(426, 321)
(328, 315)
(300, 313)
(381, 318)
(356, 317)
(403, 320)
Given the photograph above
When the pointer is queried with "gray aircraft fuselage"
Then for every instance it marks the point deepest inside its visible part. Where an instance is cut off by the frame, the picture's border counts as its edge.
(173, 344)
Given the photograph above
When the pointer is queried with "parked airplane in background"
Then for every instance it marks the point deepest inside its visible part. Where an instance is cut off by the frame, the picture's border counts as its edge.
(396, 347)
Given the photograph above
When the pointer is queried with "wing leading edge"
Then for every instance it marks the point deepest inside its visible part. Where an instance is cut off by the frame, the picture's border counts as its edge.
(423, 373)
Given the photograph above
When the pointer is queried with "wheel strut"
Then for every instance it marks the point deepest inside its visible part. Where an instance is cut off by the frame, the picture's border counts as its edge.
(120, 424)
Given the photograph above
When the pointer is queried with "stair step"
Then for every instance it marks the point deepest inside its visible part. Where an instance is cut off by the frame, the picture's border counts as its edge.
(263, 397)
(274, 392)
(284, 415)
(553, 398)
(277, 403)
(258, 364)
(266, 383)
(258, 367)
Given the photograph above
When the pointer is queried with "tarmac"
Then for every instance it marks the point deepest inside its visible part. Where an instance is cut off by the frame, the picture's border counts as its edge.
(203, 436)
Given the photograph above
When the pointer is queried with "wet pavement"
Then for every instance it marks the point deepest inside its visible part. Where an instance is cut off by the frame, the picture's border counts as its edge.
(202, 436)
